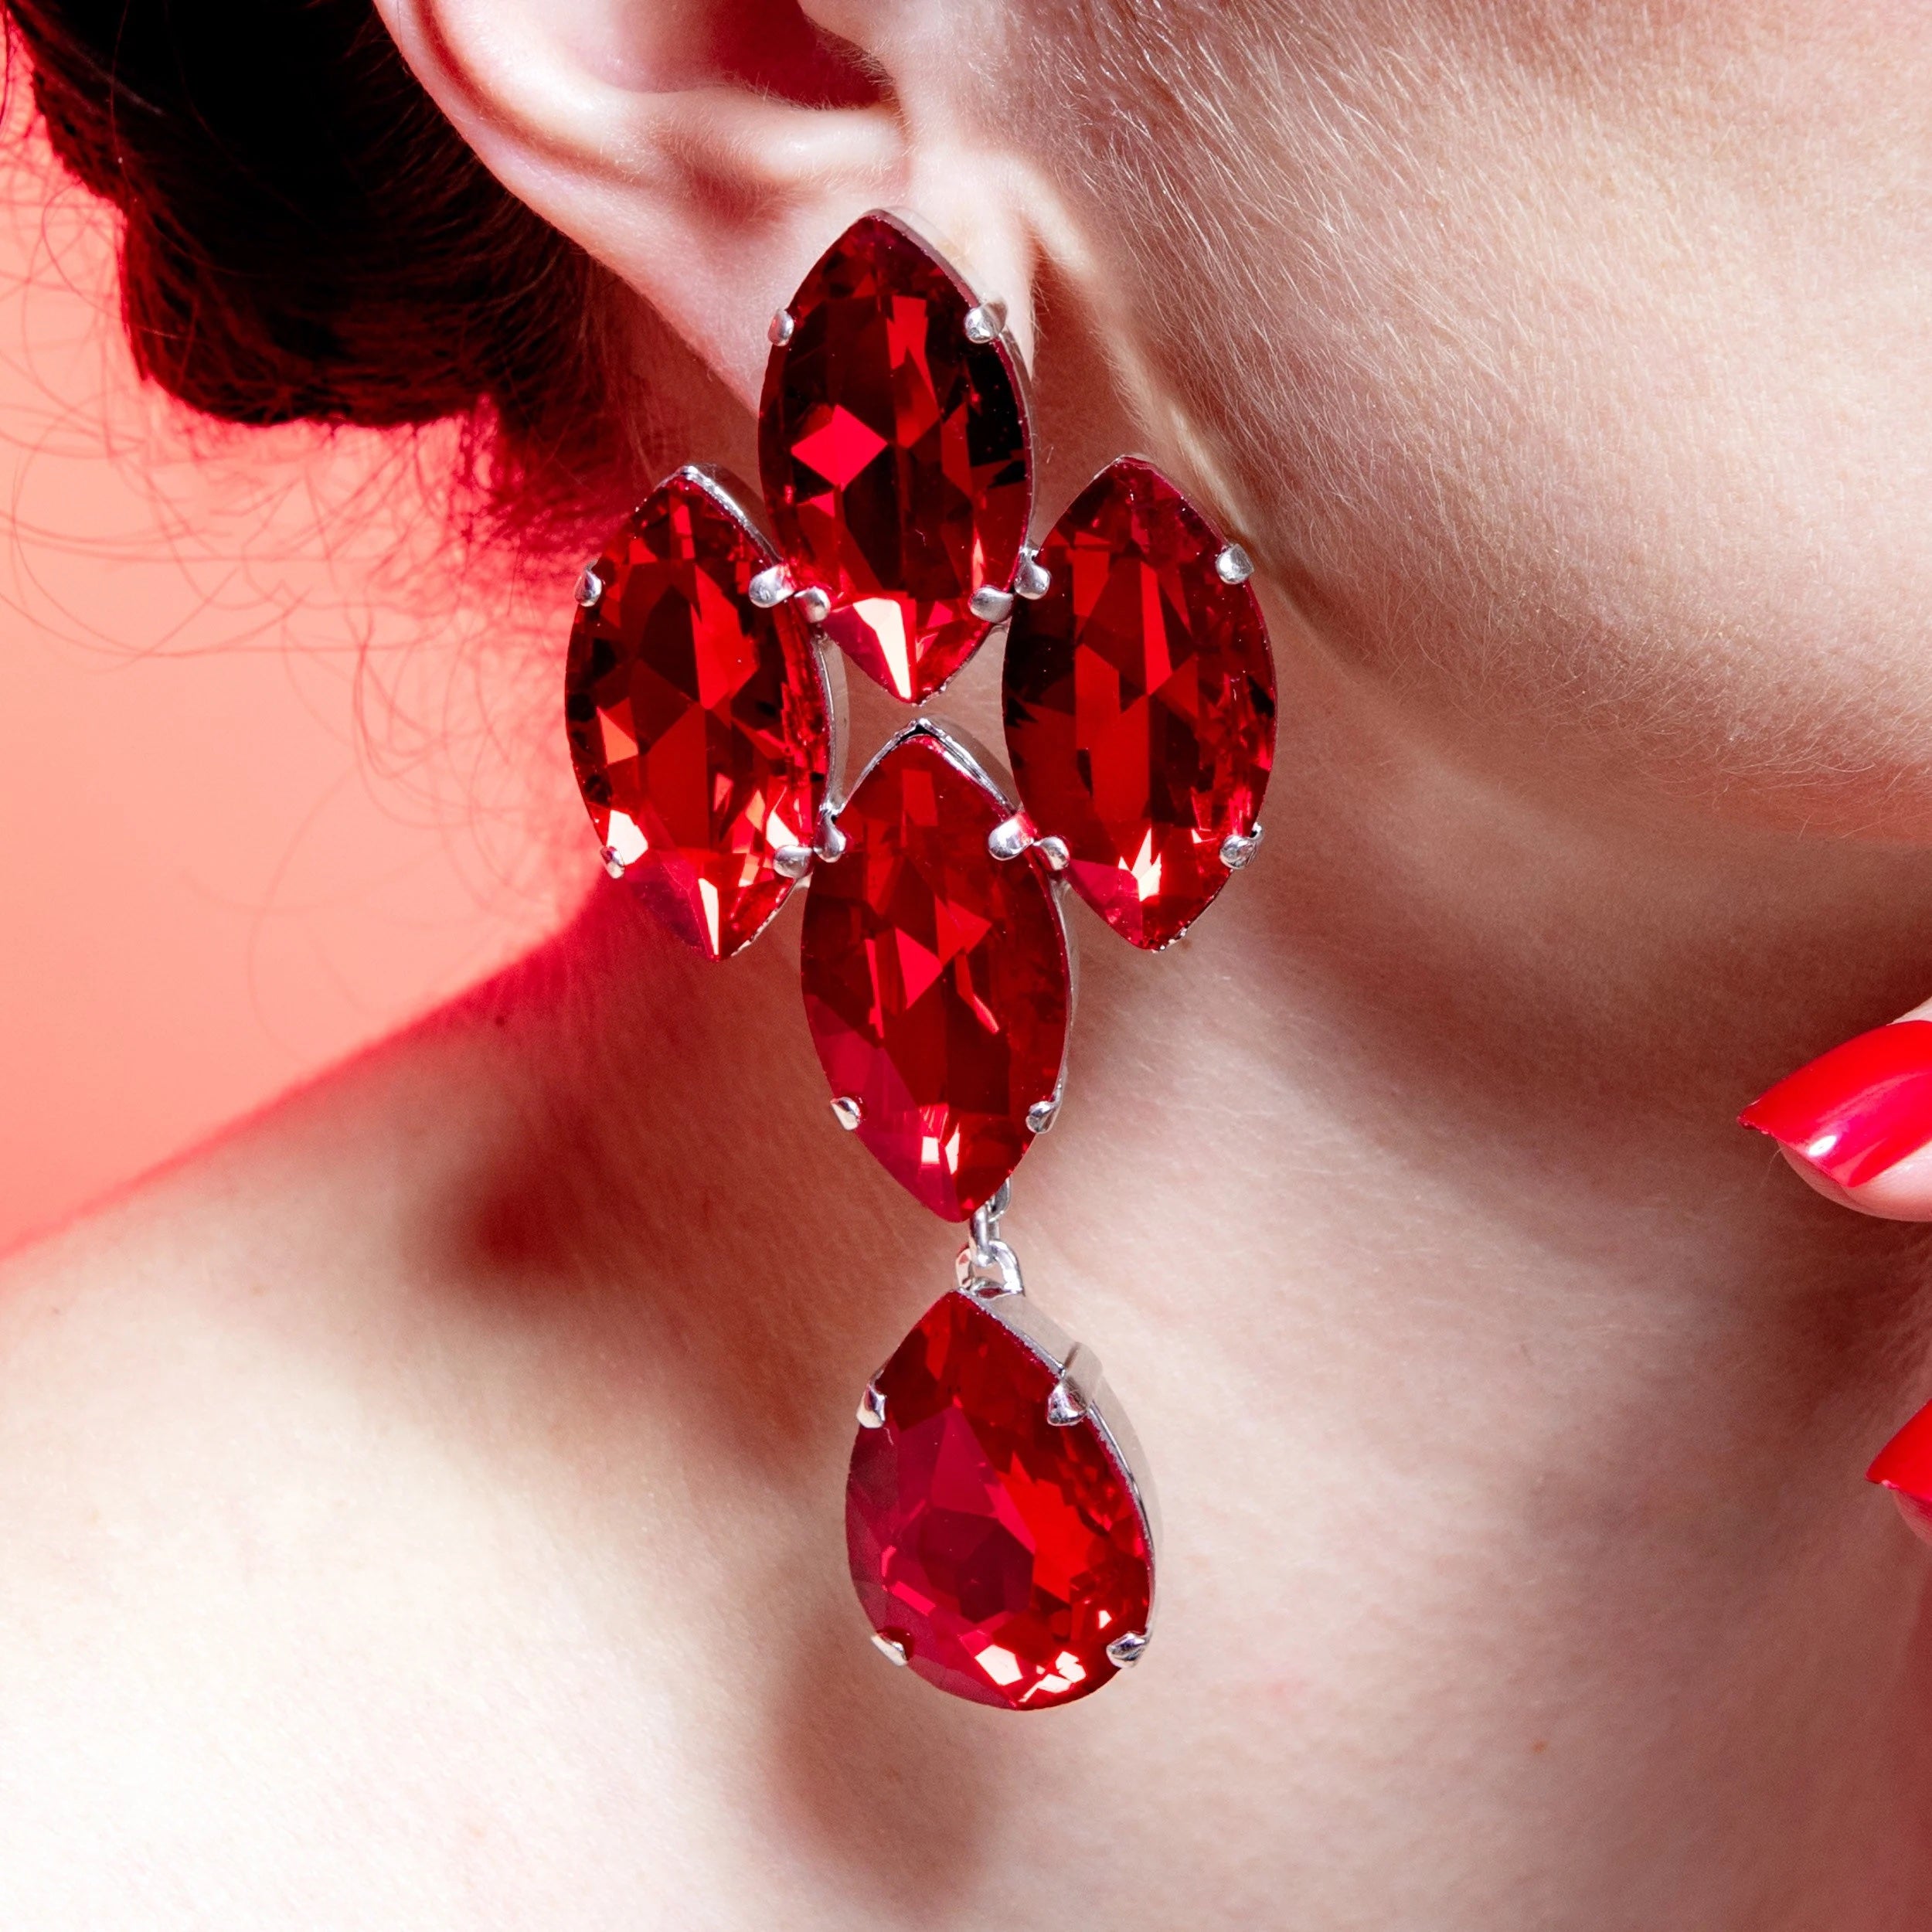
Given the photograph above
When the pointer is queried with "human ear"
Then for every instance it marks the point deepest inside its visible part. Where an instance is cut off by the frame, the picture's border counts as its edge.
(708, 150)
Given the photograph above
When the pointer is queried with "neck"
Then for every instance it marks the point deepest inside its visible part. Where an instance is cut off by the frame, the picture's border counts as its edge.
(1508, 1402)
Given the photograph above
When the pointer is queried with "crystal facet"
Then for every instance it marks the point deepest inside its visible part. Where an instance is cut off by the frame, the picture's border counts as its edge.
(696, 719)
(1140, 703)
(1002, 1553)
(893, 450)
(935, 979)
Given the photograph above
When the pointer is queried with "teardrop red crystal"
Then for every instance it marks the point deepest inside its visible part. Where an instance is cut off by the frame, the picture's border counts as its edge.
(1000, 1552)
(894, 455)
(935, 979)
(696, 720)
(1140, 703)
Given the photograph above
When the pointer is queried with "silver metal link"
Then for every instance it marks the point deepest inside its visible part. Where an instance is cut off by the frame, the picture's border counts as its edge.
(986, 1264)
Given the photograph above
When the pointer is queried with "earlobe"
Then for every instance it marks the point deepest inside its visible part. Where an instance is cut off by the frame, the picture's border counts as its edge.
(660, 140)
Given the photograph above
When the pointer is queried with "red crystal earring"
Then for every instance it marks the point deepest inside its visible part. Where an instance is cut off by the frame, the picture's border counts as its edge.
(893, 443)
(999, 1520)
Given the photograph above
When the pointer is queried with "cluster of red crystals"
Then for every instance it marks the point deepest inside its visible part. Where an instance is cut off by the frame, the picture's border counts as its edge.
(1000, 1552)
(935, 979)
(1140, 703)
(696, 720)
(894, 456)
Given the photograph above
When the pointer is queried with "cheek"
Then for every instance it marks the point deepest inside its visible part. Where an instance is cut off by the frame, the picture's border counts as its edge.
(1608, 444)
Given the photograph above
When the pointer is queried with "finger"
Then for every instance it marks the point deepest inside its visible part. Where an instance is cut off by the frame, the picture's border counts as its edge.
(1856, 1122)
(1904, 1467)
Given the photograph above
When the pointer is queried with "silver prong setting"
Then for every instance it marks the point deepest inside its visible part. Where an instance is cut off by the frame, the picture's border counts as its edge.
(1126, 1651)
(984, 321)
(890, 1648)
(990, 605)
(814, 603)
(771, 588)
(1238, 848)
(1064, 1405)
(1074, 1397)
(872, 1407)
(780, 330)
(590, 588)
(612, 863)
(1009, 837)
(831, 842)
(1233, 565)
(847, 1111)
(1032, 580)
(1013, 836)
(1042, 1115)
(792, 862)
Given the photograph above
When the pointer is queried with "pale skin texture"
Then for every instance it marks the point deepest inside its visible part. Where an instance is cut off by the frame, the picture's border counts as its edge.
(423, 1509)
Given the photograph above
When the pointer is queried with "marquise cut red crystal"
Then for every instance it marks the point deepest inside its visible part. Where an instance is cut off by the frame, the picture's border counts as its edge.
(1140, 703)
(935, 979)
(696, 720)
(1001, 1553)
(894, 456)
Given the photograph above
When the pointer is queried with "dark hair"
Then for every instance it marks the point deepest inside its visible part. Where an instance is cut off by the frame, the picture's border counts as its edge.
(306, 236)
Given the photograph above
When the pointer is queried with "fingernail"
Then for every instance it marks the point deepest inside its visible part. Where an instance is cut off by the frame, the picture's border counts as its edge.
(1904, 1467)
(1858, 1110)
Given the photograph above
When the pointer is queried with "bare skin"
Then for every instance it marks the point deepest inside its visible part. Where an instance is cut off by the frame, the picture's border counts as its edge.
(422, 1508)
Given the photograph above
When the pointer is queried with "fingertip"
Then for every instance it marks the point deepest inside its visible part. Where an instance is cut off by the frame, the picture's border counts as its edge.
(1856, 1122)
(1901, 1192)
(1904, 1467)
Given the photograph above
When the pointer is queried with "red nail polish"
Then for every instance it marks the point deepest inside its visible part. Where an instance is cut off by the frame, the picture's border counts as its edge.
(1904, 1467)
(1858, 1110)
(1905, 1462)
